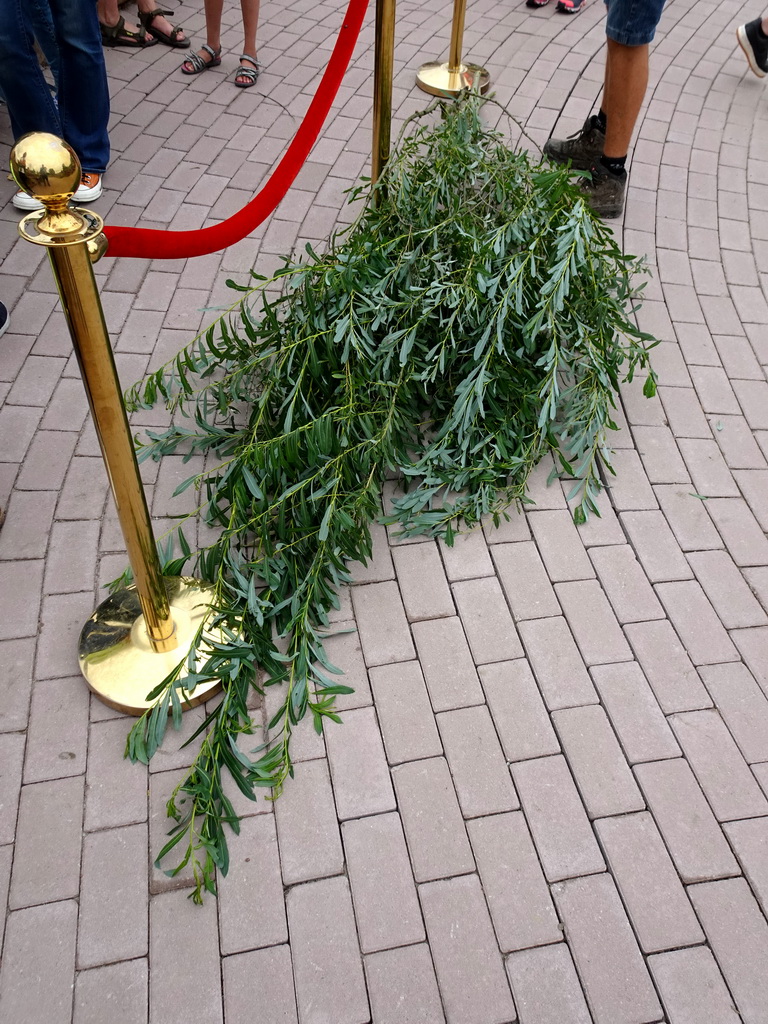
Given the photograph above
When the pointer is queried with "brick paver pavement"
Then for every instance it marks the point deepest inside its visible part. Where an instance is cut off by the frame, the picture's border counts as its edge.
(549, 801)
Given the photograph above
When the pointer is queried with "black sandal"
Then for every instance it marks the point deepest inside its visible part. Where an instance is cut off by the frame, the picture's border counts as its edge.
(200, 63)
(169, 38)
(251, 74)
(119, 35)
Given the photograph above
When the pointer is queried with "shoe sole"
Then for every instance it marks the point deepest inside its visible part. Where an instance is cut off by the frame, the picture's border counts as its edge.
(88, 198)
(749, 53)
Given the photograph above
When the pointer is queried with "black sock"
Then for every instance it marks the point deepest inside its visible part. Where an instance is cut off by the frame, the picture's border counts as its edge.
(601, 120)
(614, 164)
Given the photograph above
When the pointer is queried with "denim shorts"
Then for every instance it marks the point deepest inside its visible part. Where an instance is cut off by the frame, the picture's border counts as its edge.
(632, 22)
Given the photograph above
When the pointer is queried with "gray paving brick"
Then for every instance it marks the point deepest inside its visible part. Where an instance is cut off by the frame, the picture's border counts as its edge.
(307, 829)
(752, 395)
(696, 622)
(17, 657)
(109, 773)
(738, 934)
(749, 840)
(19, 618)
(267, 972)
(692, 988)
(361, 779)
(469, 968)
(546, 987)
(39, 943)
(711, 476)
(113, 992)
(560, 546)
(543, 494)
(602, 529)
(521, 908)
(714, 390)
(27, 527)
(658, 907)
(688, 518)
(383, 891)
(564, 840)
(47, 861)
(467, 557)
(630, 489)
(656, 547)
(742, 705)
(476, 761)
(625, 583)
(617, 984)
(251, 905)
(405, 714)
(727, 589)
(58, 730)
(660, 455)
(594, 625)
(518, 711)
(62, 619)
(737, 443)
(722, 772)
(177, 996)
(486, 620)
(381, 621)
(598, 764)
(402, 986)
(753, 647)
(161, 788)
(557, 663)
(684, 412)
(753, 484)
(327, 966)
(379, 567)
(345, 652)
(11, 761)
(693, 837)
(434, 828)
(509, 530)
(634, 712)
(423, 583)
(447, 664)
(669, 670)
(525, 580)
(741, 532)
(114, 876)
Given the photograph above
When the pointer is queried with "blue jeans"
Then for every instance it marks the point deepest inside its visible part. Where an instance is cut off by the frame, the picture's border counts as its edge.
(632, 22)
(83, 93)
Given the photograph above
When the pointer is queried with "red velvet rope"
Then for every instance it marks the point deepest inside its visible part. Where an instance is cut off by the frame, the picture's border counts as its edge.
(170, 245)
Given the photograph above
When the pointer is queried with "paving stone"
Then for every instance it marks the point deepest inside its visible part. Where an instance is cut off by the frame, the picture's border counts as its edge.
(467, 558)
(660, 912)
(754, 486)
(469, 968)
(486, 620)
(361, 779)
(434, 828)
(692, 988)
(58, 730)
(630, 489)
(115, 877)
(560, 546)
(546, 987)
(27, 526)
(669, 670)
(267, 972)
(752, 395)
(176, 996)
(557, 663)
(110, 773)
(656, 547)
(742, 705)
(556, 817)
(47, 861)
(634, 713)
(597, 762)
(405, 714)
(741, 532)
(379, 566)
(626, 585)
(19, 618)
(711, 476)
(383, 891)
(727, 589)
(753, 647)
(688, 518)
(327, 966)
(602, 529)
(715, 392)
(660, 455)
(593, 623)
(307, 829)
(615, 979)
(16, 657)
(423, 583)
(381, 621)
(508, 530)
(693, 837)
(749, 840)
(738, 934)
(521, 908)
(476, 762)
(110, 993)
(402, 986)
(525, 580)
(39, 943)
(63, 573)
(737, 443)
(722, 772)
(62, 618)
(696, 622)
(11, 761)
(641, 410)
(447, 664)
(518, 711)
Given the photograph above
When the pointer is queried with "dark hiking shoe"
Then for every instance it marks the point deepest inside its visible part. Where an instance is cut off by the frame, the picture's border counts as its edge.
(754, 46)
(582, 149)
(605, 191)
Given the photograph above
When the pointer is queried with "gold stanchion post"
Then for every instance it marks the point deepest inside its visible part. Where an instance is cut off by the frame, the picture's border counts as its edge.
(384, 58)
(140, 634)
(449, 79)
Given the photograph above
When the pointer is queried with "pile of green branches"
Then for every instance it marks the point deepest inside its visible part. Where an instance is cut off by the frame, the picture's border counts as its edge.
(476, 316)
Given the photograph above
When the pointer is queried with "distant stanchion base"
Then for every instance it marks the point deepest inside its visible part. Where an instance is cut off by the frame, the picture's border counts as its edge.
(440, 80)
(116, 656)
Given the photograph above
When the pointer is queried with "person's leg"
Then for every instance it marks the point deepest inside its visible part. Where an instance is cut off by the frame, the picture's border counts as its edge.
(42, 27)
(213, 9)
(250, 11)
(626, 79)
(30, 104)
(159, 26)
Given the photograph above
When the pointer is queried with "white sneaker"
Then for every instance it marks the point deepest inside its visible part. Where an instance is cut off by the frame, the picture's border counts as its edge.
(22, 201)
(90, 188)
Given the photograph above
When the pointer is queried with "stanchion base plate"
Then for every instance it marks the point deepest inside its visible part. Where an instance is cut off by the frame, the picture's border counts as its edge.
(439, 80)
(117, 659)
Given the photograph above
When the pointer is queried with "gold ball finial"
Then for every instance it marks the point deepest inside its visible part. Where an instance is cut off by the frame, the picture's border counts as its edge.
(46, 167)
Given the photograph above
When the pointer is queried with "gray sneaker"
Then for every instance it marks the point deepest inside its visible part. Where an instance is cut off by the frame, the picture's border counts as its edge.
(605, 191)
(582, 149)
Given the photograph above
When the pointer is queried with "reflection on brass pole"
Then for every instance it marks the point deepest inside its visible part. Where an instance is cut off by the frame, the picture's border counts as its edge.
(457, 35)
(449, 79)
(384, 59)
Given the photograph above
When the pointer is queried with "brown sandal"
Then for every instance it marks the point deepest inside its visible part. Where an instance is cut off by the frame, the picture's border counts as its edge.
(169, 38)
(119, 35)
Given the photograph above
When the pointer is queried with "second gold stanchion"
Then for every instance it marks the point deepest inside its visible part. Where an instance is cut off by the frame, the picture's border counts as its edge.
(449, 79)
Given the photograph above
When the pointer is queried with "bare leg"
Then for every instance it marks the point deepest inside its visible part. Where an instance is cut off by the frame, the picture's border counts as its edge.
(213, 9)
(626, 79)
(160, 22)
(109, 15)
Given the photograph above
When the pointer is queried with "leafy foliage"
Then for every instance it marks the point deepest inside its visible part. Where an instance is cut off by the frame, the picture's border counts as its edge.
(476, 316)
